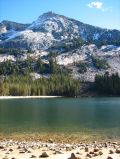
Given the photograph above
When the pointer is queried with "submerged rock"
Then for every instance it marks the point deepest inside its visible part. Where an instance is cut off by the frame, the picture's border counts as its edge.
(50, 141)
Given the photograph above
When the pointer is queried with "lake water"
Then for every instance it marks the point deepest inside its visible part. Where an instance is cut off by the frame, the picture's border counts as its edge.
(71, 115)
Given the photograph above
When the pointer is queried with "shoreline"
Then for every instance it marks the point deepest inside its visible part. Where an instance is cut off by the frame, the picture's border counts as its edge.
(28, 97)
(60, 137)
(50, 97)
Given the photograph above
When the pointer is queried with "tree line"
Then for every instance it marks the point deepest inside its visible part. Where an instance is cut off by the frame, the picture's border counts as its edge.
(107, 84)
(55, 85)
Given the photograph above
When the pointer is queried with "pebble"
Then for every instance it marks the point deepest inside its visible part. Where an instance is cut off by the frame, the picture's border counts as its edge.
(96, 149)
(10, 150)
(86, 149)
(89, 155)
(1, 147)
(28, 151)
(109, 157)
(50, 141)
(21, 151)
(106, 144)
(68, 148)
(58, 152)
(100, 153)
(92, 150)
(73, 156)
(117, 150)
(96, 154)
(33, 156)
(44, 154)
(111, 151)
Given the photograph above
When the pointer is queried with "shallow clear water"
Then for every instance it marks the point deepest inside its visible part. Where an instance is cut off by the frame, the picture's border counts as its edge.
(72, 115)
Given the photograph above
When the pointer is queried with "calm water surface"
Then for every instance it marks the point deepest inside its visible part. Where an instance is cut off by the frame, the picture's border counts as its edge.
(60, 115)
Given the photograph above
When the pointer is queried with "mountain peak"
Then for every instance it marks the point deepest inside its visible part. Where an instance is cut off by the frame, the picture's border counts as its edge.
(42, 19)
(47, 15)
(52, 28)
(10, 25)
(50, 13)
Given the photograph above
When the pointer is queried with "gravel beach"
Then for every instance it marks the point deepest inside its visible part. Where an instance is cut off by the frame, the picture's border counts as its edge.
(10, 149)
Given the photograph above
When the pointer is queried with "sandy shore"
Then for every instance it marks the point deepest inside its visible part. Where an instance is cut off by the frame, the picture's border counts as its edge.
(10, 149)
(29, 97)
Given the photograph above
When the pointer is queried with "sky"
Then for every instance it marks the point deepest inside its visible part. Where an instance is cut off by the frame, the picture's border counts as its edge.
(102, 13)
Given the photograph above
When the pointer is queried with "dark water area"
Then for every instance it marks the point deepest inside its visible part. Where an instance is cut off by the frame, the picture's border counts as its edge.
(71, 115)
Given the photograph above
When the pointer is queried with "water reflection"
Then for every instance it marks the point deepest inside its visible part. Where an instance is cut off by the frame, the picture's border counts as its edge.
(60, 114)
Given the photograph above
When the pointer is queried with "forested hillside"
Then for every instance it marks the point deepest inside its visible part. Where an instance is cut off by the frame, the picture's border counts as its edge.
(56, 85)
(108, 84)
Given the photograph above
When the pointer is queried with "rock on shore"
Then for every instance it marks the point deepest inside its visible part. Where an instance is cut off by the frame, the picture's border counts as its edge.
(36, 149)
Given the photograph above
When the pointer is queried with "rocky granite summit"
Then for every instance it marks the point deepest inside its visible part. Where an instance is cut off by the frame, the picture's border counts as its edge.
(51, 28)
(77, 45)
